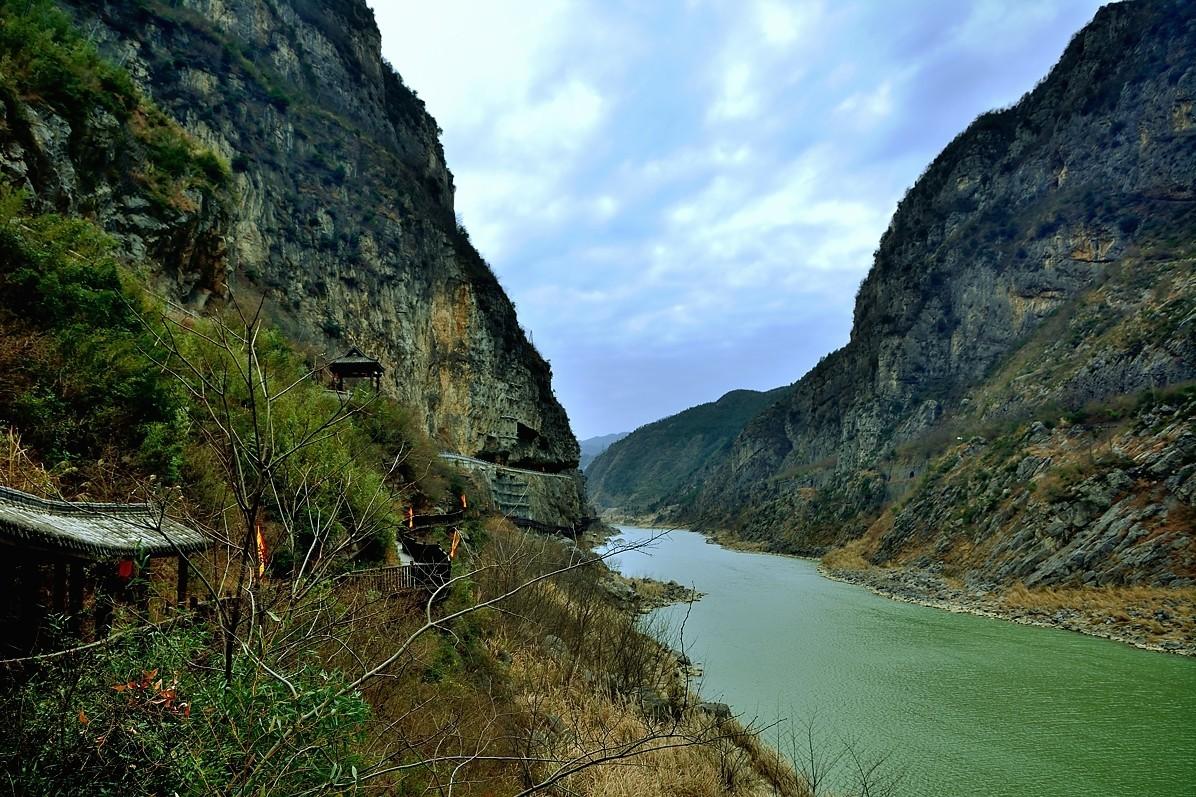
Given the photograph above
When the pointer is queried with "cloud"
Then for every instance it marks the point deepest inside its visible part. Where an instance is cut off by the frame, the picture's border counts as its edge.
(555, 126)
(737, 98)
(682, 196)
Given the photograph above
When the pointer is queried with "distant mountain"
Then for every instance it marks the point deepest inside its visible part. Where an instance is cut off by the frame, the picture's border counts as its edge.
(1017, 402)
(1039, 269)
(593, 446)
(662, 464)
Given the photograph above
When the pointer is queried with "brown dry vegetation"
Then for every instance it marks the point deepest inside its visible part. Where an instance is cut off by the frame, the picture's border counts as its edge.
(1161, 613)
(19, 470)
(550, 681)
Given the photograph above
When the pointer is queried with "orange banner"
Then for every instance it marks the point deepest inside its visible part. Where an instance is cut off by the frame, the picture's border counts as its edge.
(456, 542)
(261, 551)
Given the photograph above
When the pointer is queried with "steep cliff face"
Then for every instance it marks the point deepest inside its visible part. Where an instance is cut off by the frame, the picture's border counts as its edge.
(1027, 210)
(1099, 494)
(342, 213)
(78, 140)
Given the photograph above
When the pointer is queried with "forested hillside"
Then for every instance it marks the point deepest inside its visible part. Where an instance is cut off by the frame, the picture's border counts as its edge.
(662, 465)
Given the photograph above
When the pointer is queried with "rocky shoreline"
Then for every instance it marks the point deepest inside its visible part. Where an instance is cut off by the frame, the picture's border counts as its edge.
(643, 595)
(911, 585)
(1166, 624)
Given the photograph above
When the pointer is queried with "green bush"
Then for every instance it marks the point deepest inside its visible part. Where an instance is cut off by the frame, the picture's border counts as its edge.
(150, 714)
(43, 59)
(90, 382)
(41, 52)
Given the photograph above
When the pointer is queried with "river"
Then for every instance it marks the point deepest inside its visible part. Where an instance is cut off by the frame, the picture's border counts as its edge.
(964, 705)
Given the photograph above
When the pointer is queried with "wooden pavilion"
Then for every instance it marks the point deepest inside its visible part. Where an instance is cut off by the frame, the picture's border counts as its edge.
(353, 365)
(79, 560)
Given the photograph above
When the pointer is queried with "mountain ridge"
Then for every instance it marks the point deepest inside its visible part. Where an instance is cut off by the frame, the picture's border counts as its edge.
(1038, 272)
(660, 463)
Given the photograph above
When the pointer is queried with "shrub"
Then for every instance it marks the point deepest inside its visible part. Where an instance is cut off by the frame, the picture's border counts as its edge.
(150, 714)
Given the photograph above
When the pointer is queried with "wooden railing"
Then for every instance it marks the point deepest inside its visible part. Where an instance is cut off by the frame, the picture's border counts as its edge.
(397, 579)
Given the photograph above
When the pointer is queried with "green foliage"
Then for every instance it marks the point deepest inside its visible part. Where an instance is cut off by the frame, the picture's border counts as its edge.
(150, 714)
(61, 290)
(329, 464)
(43, 55)
(659, 461)
(43, 59)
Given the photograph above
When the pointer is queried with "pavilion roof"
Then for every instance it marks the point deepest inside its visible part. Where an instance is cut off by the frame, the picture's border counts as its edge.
(92, 529)
(354, 356)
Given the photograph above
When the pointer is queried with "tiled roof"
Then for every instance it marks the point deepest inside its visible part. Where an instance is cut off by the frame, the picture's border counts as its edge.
(354, 357)
(95, 530)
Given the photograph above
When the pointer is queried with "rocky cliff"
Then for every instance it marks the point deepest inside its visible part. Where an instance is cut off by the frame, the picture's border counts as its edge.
(1098, 494)
(998, 253)
(340, 212)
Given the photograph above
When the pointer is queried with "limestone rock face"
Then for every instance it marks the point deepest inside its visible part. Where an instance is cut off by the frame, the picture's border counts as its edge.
(1082, 504)
(546, 501)
(1029, 209)
(80, 165)
(343, 216)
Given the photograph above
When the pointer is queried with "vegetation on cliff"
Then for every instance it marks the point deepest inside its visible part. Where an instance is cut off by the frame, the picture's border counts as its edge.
(296, 675)
(660, 465)
(342, 213)
(1039, 269)
(1012, 417)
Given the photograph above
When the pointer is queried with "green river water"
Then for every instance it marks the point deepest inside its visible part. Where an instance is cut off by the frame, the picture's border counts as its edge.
(965, 705)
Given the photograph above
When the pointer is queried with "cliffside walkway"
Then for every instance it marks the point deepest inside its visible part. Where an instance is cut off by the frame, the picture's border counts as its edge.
(475, 461)
(511, 489)
(420, 577)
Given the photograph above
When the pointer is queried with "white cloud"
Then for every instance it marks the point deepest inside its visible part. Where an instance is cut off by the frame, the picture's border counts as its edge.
(687, 180)
(605, 207)
(868, 107)
(466, 58)
(554, 126)
(737, 98)
(516, 108)
(782, 24)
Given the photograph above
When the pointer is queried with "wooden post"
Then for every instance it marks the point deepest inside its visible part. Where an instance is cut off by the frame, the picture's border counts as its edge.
(59, 586)
(31, 612)
(181, 592)
(141, 591)
(75, 598)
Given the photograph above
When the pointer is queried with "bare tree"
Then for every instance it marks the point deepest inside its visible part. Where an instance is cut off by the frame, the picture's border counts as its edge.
(270, 475)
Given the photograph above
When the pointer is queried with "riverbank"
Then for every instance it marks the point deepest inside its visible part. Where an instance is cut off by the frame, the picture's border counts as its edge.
(1162, 620)
(1151, 618)
(965, 696)
(643, 595)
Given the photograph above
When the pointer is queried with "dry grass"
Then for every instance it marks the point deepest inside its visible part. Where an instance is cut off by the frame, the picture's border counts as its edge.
(731, 760)
(848, 557)
(558, 673)
(18, 469)
(1162, 613)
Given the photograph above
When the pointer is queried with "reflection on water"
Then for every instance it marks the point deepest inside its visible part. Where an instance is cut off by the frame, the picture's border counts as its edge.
(967, 705)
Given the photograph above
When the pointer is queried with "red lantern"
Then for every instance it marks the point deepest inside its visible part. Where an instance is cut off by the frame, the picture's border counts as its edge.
(124, 569)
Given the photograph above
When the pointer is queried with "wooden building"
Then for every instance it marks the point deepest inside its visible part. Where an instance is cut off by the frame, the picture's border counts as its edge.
(353, 366)
(78, 561)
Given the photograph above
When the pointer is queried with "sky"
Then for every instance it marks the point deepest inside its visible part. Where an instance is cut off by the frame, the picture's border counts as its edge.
(682, 196)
